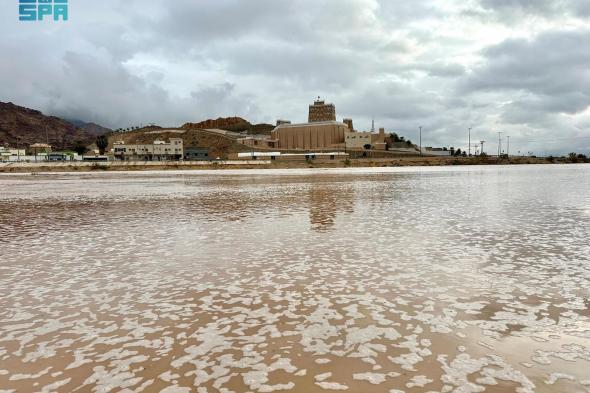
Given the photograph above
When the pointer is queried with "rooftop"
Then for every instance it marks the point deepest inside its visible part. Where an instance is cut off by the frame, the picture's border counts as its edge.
(313, 124)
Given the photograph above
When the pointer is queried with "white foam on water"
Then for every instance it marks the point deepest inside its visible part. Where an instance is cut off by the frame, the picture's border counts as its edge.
(331, 386)
(374, 378)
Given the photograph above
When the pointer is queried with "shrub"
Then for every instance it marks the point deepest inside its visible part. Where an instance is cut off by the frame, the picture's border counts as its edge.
(572, 157)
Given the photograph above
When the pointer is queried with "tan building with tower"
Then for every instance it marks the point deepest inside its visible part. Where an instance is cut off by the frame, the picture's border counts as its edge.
(310, 136)
(321, 133)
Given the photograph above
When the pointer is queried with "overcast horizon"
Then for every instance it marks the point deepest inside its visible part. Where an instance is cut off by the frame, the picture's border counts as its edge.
(513, 66)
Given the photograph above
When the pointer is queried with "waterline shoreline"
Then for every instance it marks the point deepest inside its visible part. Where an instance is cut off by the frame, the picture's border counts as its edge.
(24, 167)
(278, 171)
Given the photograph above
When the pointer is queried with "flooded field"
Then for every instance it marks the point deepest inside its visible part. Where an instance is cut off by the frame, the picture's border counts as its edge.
(360, 280)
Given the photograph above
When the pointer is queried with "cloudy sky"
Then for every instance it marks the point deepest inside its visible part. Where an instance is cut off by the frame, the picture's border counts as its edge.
(517, 66)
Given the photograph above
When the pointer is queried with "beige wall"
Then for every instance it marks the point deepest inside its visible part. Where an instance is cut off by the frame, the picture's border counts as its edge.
(310, 136)
(358, 140)
(261, 143)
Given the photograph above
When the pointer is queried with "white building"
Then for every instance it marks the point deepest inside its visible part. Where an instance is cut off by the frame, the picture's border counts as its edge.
(156, 151)
(10, 154)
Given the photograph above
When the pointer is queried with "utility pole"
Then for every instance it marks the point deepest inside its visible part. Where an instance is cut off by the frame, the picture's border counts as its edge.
(499, 143)
(469, 142)
(420, 127)
(17, 149)
(508, 148)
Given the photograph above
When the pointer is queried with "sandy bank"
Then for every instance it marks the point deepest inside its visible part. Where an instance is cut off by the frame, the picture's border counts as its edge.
(20, 167)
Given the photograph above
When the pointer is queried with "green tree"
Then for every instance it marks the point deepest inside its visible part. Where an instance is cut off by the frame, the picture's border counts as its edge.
(102, 143)
(395, 137)
(80, 148)
(368, 146)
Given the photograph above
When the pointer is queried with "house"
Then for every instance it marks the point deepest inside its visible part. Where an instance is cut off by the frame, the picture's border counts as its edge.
(156, 151)
(196, 154)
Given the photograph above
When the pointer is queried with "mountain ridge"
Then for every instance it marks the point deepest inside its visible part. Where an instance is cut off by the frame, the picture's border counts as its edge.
(22, 126)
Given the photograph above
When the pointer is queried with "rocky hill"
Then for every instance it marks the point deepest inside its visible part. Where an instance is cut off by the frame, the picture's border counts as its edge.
(236, 124)
(223, 123)
(24, 126)
(90, 128)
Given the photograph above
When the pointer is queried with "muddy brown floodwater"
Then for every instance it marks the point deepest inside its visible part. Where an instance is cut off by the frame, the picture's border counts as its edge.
(466, 279)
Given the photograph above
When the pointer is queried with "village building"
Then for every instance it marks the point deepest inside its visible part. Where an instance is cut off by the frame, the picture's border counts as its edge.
(156, 151)
(10, 154)
(365, 140)
(279, 156)
(196, 154)
(40, 148)
(259, 141)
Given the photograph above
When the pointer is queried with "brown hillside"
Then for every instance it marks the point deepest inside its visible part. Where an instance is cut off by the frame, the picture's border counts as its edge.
(95, 129)
(235, 124)
(261, 128)
(24, 126)
(223, 123)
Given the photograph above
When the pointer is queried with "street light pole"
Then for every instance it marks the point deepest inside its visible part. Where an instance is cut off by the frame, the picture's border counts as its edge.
(420, 140)
(508, 148)
(469, 142)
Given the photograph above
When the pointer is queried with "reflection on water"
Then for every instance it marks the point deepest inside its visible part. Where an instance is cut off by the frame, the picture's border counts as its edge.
(325, 202)
(381, 280)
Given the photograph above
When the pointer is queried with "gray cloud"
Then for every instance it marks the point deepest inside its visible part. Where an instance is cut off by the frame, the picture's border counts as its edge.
(540, 77)
(512, 10)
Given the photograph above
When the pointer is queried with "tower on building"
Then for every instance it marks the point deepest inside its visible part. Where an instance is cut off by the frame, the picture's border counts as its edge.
(320, 111)
(348, 122)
